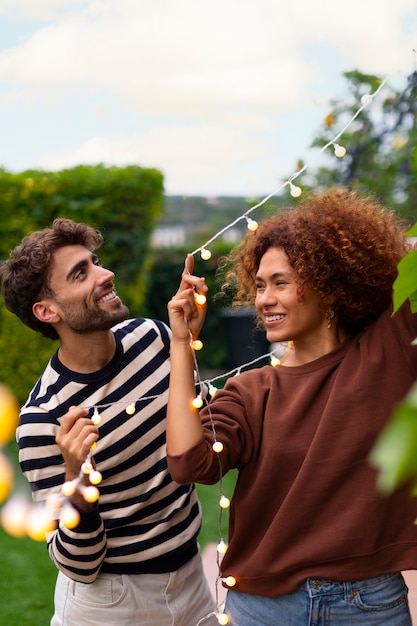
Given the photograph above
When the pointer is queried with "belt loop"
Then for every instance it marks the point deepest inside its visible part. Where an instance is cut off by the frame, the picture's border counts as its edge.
(348, 590)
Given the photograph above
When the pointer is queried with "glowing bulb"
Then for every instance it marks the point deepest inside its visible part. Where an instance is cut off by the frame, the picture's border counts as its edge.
(205, 254)
(224, 502)
(212, 390)
(69, 488)
(54, 502)
(13, 516)
(96, 419)
(93, 446)
(217, 446)
(223, 619)
(90, 493)
(95, 477)
(275, 361)
(70, 516)
(6, 478)
(295, 191)
(39, 522)
(200, 298)
(130, 409)
(230, 581)
(252, 224)
(197, 344)
(366, 99)
(339, 151)
(86, 467)
(221, 547)
(198, 402)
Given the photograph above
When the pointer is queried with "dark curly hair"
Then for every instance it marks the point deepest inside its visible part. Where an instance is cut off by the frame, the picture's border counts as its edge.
(342, 244)
(24, 276)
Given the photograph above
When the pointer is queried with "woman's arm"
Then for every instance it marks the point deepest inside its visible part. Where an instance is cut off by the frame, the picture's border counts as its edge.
(186, 319)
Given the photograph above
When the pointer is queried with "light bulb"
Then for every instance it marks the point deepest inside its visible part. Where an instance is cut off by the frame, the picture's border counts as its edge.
(230, 581)
(366, 99)
(221, 547)
(252, 224)
(224, 502)
(197, 344)
(275, 361)
(70, 516)
(223, 619)
(205, 254)
(90, 493)
(96, 418)
(130, 409)
(69, 487)
(200, 298)
(86, 467)
(339, 151)
(212, 390)
(198, 402)
(95, 477)
(295, 191)
(217, 446)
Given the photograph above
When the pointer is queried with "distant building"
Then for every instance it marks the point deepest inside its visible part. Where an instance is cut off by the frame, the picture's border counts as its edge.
(168, 236)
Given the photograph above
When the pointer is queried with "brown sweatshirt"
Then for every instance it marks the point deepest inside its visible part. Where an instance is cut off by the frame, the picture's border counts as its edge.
(305, 503)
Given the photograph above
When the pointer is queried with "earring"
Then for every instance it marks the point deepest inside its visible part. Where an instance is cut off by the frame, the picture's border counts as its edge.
(329, 316)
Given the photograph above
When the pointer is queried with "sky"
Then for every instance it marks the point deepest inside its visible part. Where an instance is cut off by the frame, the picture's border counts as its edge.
(222, 96)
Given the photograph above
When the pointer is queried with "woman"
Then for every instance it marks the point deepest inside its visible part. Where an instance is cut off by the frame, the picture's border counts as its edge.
(311, 541)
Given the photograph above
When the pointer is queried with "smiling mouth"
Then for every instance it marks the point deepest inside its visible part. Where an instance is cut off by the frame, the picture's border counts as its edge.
(274, 318)
(108, 296)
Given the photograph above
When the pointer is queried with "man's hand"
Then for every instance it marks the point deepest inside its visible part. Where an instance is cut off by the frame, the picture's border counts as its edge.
(75, 437)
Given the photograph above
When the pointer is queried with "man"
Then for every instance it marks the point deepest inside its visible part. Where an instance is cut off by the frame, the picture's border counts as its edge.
(136, 547)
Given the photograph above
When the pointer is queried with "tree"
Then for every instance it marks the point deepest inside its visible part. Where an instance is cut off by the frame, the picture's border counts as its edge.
(124, 203)
(381, 143)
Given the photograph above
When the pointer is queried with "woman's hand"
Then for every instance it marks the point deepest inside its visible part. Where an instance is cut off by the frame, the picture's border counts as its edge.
(186, 315)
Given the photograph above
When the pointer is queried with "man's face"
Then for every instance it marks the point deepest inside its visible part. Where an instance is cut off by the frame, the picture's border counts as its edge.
(84, 291)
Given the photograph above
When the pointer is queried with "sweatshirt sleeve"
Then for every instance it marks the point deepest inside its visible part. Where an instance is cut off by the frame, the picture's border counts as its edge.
(226, 415)
(78, 552)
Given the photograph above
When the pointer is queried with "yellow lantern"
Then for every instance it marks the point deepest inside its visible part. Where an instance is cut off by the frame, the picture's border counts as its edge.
(6, 478)
(9, 414)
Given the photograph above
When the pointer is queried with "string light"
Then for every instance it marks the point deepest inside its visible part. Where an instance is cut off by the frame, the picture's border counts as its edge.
(252, 224)
(217, 446)
(205, 254)
(197, 344)
(339, 151)
(294, 190)
(366, 99)
(198, 402)
(224, 502)
(200, 298)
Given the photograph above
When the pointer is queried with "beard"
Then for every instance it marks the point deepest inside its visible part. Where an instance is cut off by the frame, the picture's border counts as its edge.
(82, 319)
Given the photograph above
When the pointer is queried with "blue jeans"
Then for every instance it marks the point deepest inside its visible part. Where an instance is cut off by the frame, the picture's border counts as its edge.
(381, 601)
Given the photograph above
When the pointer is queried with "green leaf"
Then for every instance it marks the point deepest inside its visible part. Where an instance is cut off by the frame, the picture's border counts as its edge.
(412, 232)
(405, 285)
(395, 452)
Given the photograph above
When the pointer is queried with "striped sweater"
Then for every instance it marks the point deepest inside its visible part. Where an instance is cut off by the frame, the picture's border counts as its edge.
(144, 522)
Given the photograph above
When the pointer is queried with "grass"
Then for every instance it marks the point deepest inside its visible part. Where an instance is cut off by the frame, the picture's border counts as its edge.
(27, 575)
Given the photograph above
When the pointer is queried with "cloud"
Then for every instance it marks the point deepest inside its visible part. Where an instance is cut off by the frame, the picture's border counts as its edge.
(196, 155)
(206, 87)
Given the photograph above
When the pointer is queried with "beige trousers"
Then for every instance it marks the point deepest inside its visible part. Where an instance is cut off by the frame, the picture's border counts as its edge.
(180, 598)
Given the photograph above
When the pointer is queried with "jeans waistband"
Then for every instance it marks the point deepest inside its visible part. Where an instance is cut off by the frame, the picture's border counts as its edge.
(323, 586)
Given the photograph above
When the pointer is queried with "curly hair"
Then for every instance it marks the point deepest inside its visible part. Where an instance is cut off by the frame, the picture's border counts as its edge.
(24, 276)
(344, 245)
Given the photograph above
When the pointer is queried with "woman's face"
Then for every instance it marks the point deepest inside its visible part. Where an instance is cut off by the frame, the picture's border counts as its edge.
(286, 314)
